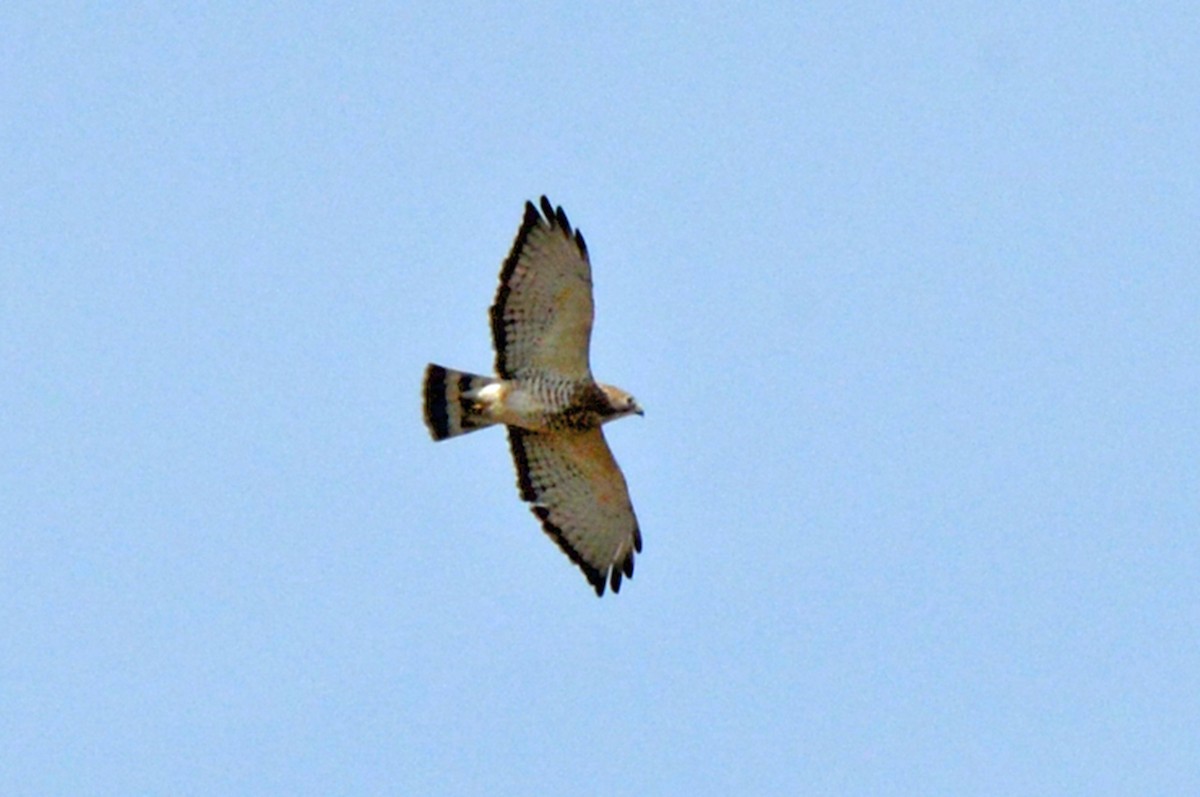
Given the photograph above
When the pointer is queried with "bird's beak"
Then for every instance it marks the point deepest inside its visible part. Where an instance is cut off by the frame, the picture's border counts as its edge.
(638, 409)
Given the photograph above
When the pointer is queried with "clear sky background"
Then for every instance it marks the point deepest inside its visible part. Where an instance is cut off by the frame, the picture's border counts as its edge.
(911, 295)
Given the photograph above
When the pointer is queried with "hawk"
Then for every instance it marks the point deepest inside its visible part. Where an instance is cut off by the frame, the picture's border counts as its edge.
(544, 393)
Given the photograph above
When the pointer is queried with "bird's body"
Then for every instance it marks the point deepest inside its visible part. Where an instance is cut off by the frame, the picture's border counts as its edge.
(545, 395)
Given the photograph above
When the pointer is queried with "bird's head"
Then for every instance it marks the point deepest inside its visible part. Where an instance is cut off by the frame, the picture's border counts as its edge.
(620, 403)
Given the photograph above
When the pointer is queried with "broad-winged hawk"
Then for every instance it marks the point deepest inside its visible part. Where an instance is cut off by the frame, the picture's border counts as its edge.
(544, 393)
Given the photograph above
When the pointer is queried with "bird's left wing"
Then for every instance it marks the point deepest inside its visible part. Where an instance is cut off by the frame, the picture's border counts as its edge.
(579, 493)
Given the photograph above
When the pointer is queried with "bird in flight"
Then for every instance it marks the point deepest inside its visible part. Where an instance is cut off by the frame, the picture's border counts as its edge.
(544, 393)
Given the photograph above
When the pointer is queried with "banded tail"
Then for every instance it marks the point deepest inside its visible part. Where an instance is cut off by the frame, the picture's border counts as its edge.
(450, 405)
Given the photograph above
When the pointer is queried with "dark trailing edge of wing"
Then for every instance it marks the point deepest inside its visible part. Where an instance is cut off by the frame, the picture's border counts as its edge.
(516, 439)
(557, 219)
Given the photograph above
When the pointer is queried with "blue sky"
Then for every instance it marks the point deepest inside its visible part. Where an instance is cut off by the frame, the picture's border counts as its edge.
(911, 295)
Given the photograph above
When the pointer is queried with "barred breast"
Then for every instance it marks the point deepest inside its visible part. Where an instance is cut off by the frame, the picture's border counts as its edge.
(547, 403)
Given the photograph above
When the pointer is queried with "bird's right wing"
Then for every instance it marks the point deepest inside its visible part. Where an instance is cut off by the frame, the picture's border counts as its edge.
(542, 315)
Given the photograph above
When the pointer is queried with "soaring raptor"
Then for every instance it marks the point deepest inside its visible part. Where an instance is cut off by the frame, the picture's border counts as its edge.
(544, 393)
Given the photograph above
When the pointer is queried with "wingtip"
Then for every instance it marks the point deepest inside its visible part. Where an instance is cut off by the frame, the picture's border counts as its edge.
(556, 217)
(531, 214)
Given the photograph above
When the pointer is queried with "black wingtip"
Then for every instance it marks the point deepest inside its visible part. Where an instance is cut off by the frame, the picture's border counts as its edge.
(557, 217)
(531, 214)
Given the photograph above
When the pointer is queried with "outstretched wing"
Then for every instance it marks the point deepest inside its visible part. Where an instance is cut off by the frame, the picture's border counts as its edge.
(542, 316)
(579, 494)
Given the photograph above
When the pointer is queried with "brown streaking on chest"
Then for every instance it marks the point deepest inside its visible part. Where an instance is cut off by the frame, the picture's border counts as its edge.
(581, 407)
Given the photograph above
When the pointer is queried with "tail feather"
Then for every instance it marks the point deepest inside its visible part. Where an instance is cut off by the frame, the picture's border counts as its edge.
(450, 407)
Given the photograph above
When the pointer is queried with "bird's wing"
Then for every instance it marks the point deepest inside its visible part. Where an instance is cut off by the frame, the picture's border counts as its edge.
(578, 492)
(542, 315)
